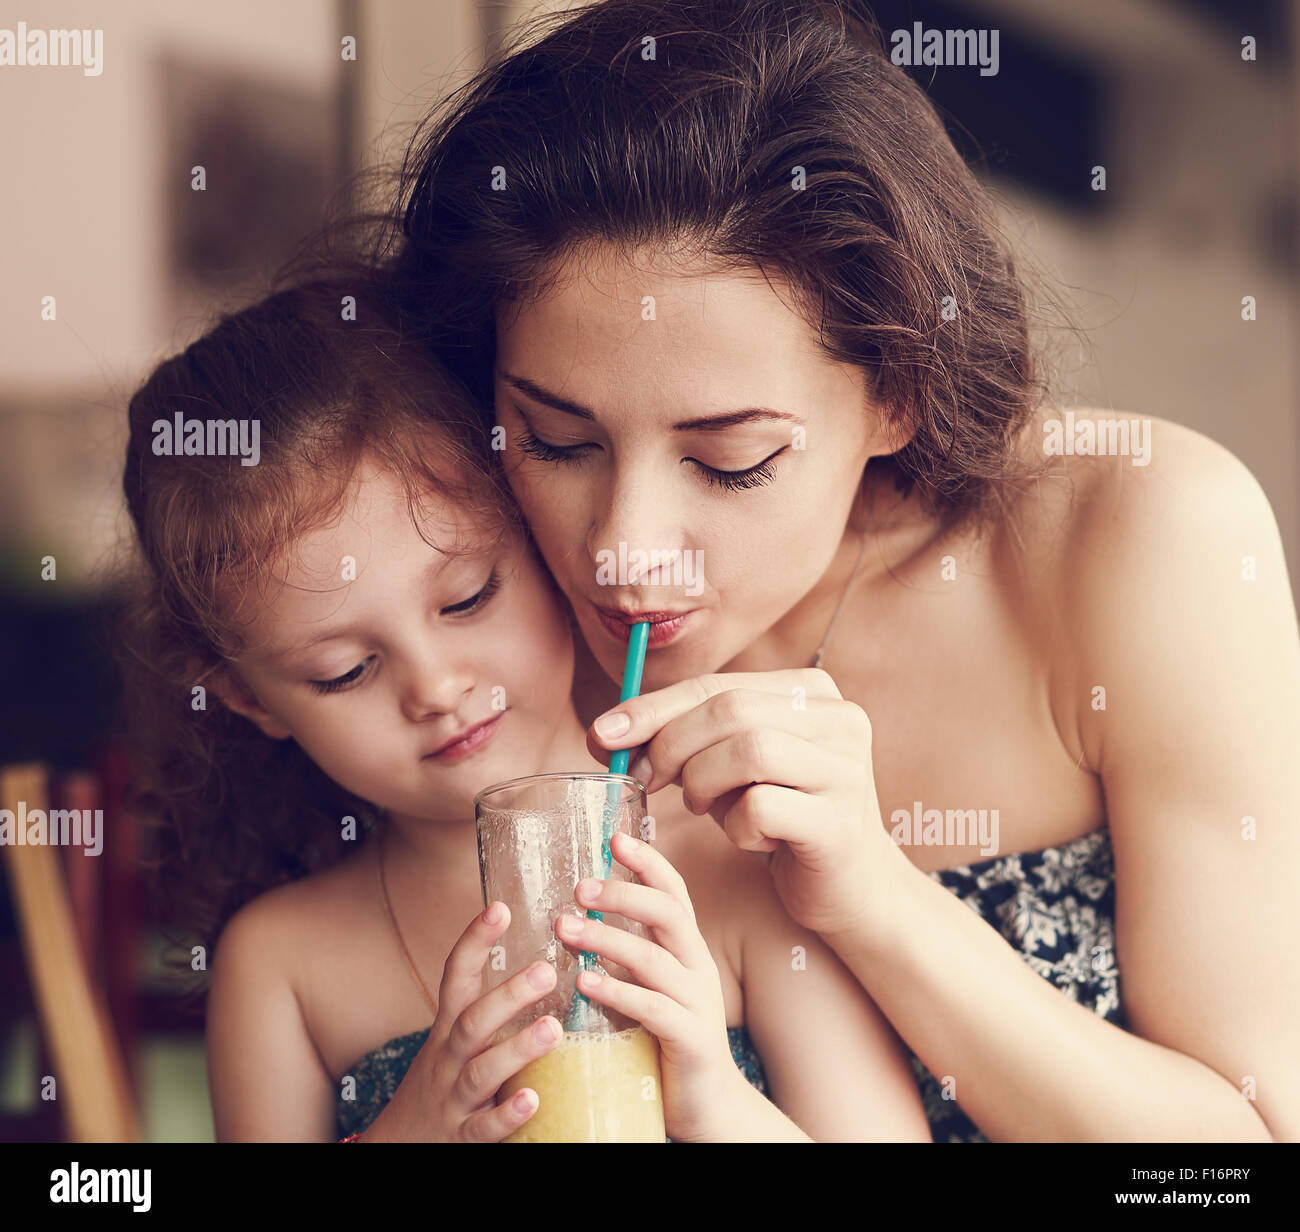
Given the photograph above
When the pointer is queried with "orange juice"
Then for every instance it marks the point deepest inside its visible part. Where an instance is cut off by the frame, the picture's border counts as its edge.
(594, 1087)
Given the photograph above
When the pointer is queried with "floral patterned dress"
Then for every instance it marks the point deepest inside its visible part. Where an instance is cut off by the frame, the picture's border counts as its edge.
(1056, 908)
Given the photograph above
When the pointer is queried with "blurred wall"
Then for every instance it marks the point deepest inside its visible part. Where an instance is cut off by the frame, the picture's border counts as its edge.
(81, 213)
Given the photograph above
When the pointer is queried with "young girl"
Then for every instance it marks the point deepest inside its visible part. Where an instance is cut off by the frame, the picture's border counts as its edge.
(321, 639)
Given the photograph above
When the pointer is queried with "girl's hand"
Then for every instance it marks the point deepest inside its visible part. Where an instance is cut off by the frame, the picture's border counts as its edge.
(678, 992)
(448, 1093)
(783, 763)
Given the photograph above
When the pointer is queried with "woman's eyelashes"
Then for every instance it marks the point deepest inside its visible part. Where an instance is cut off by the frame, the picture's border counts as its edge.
(357, 674)
(733, 481)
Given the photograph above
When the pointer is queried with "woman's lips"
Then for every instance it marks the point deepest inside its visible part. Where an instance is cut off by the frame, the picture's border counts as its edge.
(660, 633)
(476, 739)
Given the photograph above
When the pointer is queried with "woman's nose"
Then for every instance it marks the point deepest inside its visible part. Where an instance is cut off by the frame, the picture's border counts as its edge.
(629, 533)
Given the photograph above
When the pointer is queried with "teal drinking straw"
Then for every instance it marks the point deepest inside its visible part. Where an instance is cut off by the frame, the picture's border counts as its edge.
(632, 668)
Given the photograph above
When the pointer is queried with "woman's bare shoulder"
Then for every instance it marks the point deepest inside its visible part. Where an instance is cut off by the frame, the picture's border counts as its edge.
(1110, 477)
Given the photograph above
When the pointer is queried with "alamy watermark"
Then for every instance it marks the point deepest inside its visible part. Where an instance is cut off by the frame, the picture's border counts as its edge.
(1088, 437)
(684, 569)
(946, 47)
(82, 828)
(934, 827)
(24, 48)
(209, 437)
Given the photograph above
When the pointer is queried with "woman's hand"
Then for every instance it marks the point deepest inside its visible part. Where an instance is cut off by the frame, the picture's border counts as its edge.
(448, 1093)
(677, 995)
(783, 763)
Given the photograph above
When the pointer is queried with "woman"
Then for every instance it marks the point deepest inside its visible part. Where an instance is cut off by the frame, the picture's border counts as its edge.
(746, 322)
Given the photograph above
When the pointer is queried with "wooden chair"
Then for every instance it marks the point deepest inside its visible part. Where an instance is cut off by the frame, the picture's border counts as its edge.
(93, 1092)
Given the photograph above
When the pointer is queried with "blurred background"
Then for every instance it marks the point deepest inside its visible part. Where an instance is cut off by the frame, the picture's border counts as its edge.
(99, 219)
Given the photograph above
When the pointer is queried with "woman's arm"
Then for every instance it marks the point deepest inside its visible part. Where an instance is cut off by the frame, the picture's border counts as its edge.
(267, 1081)
(833, 1063)
(1197, 650)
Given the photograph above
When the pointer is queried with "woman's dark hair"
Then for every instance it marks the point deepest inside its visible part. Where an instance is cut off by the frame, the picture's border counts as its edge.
(330, 375)
(769, 134)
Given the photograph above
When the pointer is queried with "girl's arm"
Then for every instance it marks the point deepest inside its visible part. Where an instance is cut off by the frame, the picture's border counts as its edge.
(266, 1078)
(1180, 608)
(833, 1063)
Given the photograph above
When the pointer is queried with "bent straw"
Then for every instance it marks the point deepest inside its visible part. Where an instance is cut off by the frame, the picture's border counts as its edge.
(632, 668)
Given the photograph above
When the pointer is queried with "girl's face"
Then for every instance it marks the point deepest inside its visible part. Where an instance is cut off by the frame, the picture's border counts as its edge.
(378, 652)
(689, 417)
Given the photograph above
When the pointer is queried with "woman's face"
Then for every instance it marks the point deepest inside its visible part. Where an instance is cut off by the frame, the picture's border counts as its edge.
(689, 423)
(374, 651)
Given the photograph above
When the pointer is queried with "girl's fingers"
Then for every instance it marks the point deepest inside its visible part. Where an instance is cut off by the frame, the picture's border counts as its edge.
(674, 924)
(481, 1076)
(473, 1028)
(649, 713)
(462, 973)
(494, 1124)
(649, 964)
(763, 755)
(659, 1014)
(652, 867)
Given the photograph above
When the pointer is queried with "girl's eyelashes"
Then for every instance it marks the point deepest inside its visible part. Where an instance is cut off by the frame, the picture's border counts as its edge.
(474, 602)
(732, 481)
(357, 674)
(347, 680)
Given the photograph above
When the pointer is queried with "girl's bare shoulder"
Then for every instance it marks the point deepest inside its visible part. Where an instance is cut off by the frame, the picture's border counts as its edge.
(314, 910)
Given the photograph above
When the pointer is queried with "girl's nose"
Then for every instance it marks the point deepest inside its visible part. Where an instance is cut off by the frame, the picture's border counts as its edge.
(434, 689)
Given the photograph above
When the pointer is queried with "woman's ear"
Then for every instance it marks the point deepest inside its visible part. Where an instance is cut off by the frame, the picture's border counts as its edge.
(236, 696)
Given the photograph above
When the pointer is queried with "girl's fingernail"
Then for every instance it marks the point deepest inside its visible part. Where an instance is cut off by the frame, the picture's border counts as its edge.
(544, 1032)
(642, 769)
(492, 914)
(611, 726)
(589, 888)
(540, 976)
(590, 978)
(524, 1101)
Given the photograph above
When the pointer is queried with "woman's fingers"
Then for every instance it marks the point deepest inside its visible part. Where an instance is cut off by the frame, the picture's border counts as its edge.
(482, 1075)
(833, 723)
(651, 712)
(759, 755)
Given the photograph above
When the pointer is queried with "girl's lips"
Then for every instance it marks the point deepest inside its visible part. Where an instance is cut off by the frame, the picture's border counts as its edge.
(471, 744)
(660, 633)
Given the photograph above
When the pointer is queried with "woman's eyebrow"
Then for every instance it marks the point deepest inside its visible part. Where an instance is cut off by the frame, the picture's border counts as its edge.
(704, 423)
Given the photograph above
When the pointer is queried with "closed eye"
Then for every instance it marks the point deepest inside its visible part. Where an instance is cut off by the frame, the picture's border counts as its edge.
(474, 602)
(733, 481)
(342, 682)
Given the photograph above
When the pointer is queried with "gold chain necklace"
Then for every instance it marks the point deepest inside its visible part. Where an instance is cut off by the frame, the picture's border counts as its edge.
(821, 650)
(392, 919)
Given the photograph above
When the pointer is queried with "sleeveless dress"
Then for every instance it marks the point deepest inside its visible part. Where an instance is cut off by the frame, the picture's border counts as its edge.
(1055, 907)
